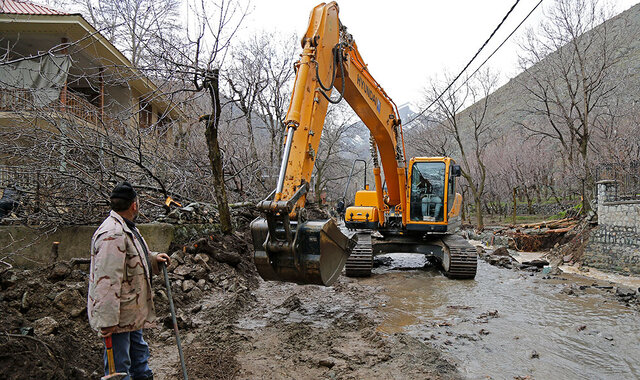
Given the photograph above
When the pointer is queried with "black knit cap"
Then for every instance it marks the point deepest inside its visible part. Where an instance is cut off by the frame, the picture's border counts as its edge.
(124, 190)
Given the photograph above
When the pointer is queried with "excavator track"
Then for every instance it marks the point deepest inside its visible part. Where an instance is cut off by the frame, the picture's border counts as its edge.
(360, 262)
(460, 259)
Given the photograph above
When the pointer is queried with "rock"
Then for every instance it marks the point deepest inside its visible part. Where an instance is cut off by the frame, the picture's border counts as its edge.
(200, 273)
(70, 301)
(231, 258)
(501, 251)
(581, 328)
(608, 337)
(538, 263)
(201, 283)
(187, 285)
(8, 279)
(327, 362)
(162, 295)
(201, 258)
(625, 292)
(534, 355)
(175, 262)
(175, 214)
(196, 309)
(24, 303)
(195, 294)
(60, 271)
(567, 258)
(382, 261)
(45, 326)
(184, 270)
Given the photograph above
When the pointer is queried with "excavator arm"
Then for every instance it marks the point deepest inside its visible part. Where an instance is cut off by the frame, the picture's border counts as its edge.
(287, 246)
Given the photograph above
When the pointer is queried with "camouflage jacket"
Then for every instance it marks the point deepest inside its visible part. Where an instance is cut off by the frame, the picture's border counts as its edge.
(119, 282)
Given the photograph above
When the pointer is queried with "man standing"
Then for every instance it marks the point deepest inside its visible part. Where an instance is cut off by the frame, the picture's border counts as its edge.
(120, 301)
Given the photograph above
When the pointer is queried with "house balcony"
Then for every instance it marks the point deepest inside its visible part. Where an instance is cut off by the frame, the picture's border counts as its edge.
(69, 103)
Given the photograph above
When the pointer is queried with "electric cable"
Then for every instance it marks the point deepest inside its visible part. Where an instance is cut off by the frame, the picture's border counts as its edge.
(468, 64)
(499, 46)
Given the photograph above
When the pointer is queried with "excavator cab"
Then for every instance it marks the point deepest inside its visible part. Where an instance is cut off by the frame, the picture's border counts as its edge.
(431, 192)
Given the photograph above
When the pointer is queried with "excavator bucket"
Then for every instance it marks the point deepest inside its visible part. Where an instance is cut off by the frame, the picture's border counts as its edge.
(315, 252)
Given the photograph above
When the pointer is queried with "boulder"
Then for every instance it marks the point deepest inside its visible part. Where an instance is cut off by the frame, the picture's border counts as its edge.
(538, 263)
(501, 251)
(59, 271)
(187, 285)
(45, 326)
(70, 301)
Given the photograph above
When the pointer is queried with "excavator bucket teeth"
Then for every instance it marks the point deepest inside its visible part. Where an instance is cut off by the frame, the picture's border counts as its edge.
(316, 255)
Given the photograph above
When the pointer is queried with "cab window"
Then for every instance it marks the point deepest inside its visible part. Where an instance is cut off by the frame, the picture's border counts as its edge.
(427, 191)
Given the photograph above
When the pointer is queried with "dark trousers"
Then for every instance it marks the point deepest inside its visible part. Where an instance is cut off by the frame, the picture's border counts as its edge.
(131, 355)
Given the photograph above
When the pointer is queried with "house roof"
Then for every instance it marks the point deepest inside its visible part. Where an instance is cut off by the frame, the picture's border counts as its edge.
(26, 8)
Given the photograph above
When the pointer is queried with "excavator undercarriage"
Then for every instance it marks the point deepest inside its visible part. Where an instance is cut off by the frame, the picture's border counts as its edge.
(456, 256)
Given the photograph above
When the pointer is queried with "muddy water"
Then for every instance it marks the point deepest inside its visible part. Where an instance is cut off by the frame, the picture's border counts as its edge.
(505, 324)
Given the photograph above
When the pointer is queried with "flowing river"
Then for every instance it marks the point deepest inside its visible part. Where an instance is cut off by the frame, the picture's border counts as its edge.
(508, 324)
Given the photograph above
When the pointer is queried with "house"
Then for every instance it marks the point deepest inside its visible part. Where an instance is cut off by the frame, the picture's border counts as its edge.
(79, 72)
(57, 66)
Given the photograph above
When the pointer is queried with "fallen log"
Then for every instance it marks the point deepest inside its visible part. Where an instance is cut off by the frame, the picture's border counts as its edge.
(203, 246)
(551, 223)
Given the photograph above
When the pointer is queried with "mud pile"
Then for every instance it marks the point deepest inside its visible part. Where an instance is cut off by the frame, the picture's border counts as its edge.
(45, 332)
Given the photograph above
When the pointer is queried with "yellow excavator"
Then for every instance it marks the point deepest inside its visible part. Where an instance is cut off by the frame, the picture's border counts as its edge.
(417, 211)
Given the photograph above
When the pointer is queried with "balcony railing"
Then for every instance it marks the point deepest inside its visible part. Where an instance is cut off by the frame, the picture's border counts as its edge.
(21, 100)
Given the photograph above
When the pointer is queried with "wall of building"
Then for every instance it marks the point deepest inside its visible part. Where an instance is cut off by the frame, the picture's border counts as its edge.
(615, 243)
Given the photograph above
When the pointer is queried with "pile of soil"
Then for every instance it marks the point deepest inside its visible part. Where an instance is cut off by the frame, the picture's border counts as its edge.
(45, 332)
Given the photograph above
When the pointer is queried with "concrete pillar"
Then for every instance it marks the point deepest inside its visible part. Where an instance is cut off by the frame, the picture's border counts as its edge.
(607, 192)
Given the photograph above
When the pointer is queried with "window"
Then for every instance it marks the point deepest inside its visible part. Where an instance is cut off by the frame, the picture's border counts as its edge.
(427, 191)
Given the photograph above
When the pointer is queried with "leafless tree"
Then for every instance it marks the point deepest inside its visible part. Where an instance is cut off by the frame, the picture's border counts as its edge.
(334, 159)
(464, 134)
(570, 79)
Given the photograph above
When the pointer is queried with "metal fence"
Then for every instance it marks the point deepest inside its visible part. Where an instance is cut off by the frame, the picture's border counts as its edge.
(626, 175)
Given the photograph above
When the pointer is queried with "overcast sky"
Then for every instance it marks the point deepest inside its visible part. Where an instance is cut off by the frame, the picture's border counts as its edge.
(407, 42)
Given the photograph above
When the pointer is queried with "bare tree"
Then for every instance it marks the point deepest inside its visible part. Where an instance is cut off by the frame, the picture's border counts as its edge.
(465, 134)
(141, 29)
(570, 78)
(334, 158)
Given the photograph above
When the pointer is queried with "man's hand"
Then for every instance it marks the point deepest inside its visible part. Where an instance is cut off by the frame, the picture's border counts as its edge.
(163, 258)
(107, 331)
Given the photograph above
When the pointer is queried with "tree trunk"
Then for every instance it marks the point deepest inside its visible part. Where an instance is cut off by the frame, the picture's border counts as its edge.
(515, 205)
(479, 218)
(215, 156)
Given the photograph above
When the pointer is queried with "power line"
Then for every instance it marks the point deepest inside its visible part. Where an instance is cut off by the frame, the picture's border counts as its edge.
(499, 46)
(468, 64)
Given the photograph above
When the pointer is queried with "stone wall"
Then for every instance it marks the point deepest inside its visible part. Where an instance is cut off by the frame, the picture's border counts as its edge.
(615, 243)
(28, 248)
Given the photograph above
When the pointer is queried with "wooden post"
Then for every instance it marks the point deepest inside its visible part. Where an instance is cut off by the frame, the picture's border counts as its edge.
(54, 251)
(101, 74)
(515, 205)
(63, 93)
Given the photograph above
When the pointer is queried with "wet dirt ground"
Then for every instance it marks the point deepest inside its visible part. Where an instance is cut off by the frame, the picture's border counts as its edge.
(285, 331)
(509, 324)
